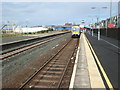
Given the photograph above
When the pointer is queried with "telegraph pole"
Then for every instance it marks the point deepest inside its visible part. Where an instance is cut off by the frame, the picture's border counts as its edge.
(110, 11)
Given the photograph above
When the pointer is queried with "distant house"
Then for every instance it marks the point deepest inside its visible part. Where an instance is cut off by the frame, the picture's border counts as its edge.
(68, 24)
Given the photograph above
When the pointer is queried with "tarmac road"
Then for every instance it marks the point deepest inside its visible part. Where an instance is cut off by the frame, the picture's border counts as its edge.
(107, 50)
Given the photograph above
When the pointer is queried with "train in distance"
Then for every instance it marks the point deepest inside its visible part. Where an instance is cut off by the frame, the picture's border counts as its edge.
(75, 31)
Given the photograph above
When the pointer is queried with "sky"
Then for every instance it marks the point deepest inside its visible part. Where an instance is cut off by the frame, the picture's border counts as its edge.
(55, 13)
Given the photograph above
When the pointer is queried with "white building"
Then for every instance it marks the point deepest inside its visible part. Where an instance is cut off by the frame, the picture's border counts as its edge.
(28, 29)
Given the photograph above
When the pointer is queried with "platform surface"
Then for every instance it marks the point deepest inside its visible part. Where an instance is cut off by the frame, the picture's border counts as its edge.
(85, 72)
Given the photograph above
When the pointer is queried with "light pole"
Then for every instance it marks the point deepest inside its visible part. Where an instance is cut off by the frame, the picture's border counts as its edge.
(98, 19)
(110, 11)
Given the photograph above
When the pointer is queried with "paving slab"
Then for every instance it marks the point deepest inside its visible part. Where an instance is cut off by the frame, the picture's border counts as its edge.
(85, 72)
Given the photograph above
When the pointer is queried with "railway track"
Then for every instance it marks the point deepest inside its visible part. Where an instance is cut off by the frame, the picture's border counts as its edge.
(51, 74)
(6, 46)
(13, 52)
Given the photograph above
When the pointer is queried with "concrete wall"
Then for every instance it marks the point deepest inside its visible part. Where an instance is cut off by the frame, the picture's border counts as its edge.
(109, 32)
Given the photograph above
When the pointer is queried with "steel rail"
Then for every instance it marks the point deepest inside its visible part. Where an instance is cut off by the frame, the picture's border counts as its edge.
(20, 47)
(32, 76)
(66, 68)
(27, 46)
(13, 44)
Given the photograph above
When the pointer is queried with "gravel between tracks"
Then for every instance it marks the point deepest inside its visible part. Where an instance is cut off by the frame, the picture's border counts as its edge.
(20, 67)
(67, 77)
(51, 70)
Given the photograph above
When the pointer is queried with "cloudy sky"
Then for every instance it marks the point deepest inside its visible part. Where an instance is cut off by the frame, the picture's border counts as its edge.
(55, 13)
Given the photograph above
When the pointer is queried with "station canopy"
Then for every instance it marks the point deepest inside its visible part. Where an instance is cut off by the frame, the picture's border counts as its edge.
(87, 27)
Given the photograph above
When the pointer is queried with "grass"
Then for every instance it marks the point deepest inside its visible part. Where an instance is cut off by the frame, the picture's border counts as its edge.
(20, 34)
(10, 34)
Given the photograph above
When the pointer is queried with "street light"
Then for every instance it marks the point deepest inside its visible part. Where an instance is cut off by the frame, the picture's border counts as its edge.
(110, 11)
(98, 19)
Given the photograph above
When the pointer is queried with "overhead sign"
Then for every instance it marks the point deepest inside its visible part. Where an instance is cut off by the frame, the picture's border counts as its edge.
(111, 25)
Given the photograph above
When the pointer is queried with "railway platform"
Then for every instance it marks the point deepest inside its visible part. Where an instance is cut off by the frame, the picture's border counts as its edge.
(88, 71)
(107, 51)
(7, 40)
(85, 72)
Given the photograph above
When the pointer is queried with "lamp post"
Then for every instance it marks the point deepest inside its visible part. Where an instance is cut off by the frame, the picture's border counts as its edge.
(98, 19)
(110, 11)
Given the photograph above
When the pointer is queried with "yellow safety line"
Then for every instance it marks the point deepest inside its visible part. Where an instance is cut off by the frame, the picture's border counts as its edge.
(101, 68)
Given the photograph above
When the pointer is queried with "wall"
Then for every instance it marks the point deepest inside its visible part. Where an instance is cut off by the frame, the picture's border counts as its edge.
(109, 32)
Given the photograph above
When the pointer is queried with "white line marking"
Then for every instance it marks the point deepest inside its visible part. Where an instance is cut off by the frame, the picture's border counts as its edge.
(74, 70)
(101, 68)
(109, 43)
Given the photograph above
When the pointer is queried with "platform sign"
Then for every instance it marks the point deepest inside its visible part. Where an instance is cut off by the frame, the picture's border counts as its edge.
(111, 25)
